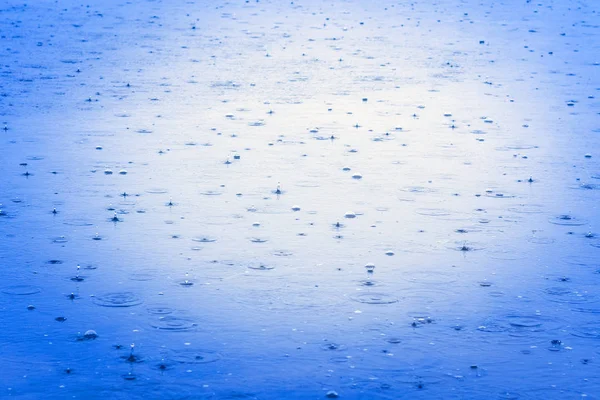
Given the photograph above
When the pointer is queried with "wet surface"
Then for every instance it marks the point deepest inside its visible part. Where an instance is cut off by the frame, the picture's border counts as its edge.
(266, 200)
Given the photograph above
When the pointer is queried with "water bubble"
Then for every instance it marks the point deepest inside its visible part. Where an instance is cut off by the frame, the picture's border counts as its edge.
(90, 334)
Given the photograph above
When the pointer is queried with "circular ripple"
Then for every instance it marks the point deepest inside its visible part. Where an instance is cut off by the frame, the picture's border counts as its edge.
(432, 277)
(173, 323)
(588, 186)
(540, 240)
(581, 260)
(568, 296)
(160, 310)
(21, 290)
(527, 209)
(587, 310)
(194, 356)
(157, 191)
(204, 239)
(506, 254)
(258, 240)
(143, 275)
(524, 325)
(282, 253)
(554, 393)
(374, 298)
(499, 195)
(260, 266)
(493, 325)
(218, 220)
(211, 193)
(118, 299)
(78, 222)
(417, 189)
(567, 220)
(307, 184)
(587, 331)
(433, 212)
(517, 147)
(331, 346)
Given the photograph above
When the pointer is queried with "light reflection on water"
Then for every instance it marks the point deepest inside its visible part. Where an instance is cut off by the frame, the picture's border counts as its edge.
(299, 200)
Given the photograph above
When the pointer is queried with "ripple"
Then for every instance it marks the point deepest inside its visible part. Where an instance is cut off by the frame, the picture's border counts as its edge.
(431, 277)
(527, 209)
(587, 331)
(78, 222)
(60, 239)
(260, 266)
(493, 325)
(258, 240)
(506, 253)
(282, 253)
(524, 325)
(160, 310)
(433, 212)
(308, 184)
(374, 298)
(517, 147)
(554, 393)
(157, 191)
(417, 189)
(568, 296)
(21, 290)
(173, 323)
(331, 346)
(587, 310)
(581, 260)
(219, 220)
(587, 186)
(499, 195)
(143, 275)
(540, 240)
(211, 193)
(194, 356)
(567, 220)
(117, 299)
(204, 239)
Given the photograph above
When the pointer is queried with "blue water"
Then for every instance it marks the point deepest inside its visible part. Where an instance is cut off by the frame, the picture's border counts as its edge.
(299, 200)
